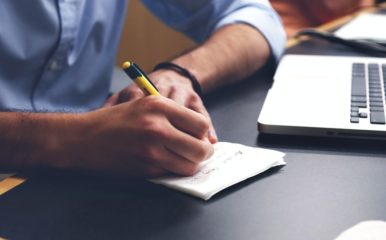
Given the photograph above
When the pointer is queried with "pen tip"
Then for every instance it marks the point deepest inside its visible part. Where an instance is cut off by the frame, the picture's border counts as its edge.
(126, 64)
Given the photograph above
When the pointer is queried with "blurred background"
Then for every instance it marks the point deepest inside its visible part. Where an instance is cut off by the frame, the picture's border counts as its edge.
(147, 41)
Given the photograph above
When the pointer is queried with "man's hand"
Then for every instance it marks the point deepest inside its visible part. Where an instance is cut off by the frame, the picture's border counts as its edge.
(232, 53)
(149, 136)
(173, 86)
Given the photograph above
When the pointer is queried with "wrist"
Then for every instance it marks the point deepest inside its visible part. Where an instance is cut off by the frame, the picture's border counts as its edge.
(55, 135)
(184, 72)
(63, 144)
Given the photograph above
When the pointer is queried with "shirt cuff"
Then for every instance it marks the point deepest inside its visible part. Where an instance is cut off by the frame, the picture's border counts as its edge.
(267, 22)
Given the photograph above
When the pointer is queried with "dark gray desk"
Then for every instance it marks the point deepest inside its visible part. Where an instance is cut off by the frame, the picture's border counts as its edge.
(327, 186)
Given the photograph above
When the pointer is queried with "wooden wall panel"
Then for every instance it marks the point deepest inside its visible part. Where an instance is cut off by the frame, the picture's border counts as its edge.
(147, 41)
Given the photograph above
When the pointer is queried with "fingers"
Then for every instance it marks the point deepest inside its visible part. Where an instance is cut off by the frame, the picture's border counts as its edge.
(111, 101)
(175, 129)
(163, 89)
(186, 119)
(177, 164)
(195, 103)
(129, 93)
(190, 148)
(179, 153)
(154, 135)
(181, 97)
(176, 152)
(172, 150)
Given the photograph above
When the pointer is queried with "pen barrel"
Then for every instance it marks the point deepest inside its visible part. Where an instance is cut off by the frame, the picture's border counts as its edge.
(140, 78)
(146, 86)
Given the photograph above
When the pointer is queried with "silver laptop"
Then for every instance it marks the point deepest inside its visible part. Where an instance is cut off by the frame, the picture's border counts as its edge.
(327, 96)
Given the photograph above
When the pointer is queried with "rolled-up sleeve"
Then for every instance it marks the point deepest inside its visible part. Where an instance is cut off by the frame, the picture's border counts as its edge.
(200, 18)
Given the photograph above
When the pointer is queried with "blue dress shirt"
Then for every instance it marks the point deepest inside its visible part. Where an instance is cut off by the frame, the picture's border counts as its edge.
(58, 55)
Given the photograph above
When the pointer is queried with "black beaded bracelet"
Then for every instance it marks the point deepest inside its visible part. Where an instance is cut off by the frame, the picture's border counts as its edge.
(182, 71)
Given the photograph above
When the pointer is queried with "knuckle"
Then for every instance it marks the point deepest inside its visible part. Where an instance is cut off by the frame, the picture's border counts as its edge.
(190, 170)
(129, 89)
(204, 152)
(162, 88)
(201, 155)
(204, 124)
(173, 89)
(155, 129)
(154, 103)
(145, 121)
(194, 98)
(123, 95)
(151, 154)
(133, 92)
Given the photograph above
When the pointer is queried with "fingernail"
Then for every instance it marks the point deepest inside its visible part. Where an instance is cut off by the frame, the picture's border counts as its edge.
(212, 136)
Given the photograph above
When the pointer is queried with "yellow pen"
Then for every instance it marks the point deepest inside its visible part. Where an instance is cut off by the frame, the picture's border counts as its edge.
(140, 78)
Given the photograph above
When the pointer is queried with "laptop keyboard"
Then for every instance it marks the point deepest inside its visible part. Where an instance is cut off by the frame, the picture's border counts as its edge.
(368, 92)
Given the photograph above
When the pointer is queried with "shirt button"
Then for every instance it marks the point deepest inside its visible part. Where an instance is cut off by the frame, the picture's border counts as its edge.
(54, 65)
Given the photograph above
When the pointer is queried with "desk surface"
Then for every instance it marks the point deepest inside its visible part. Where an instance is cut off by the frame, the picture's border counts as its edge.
(327, 186)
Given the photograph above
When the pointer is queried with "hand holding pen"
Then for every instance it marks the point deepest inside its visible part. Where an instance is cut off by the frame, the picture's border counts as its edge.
(173, 86)
(148, 136)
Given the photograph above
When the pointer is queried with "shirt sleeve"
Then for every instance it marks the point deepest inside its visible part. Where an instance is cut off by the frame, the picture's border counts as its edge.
(199, 18)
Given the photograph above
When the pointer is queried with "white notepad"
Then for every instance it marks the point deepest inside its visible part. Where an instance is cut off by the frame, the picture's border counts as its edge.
(231, 163)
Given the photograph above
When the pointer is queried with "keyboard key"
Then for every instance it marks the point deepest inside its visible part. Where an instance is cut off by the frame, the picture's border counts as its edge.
(376, 104)
(375, 90)
(363, 115)
(354, 119)
(375, 95)
(373, 65)
(359, 90)
(375, 85)
(376, 100)
(377, 117)
(359, 66)
(373, 69)
(358, 99)
(376, 109)
(358, 104)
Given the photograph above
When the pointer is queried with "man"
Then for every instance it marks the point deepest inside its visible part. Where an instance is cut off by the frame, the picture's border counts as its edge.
(56, 61)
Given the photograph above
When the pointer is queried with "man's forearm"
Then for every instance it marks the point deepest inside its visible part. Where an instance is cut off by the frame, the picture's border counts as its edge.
(146, 137)
(30, 139)
(229, 55)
